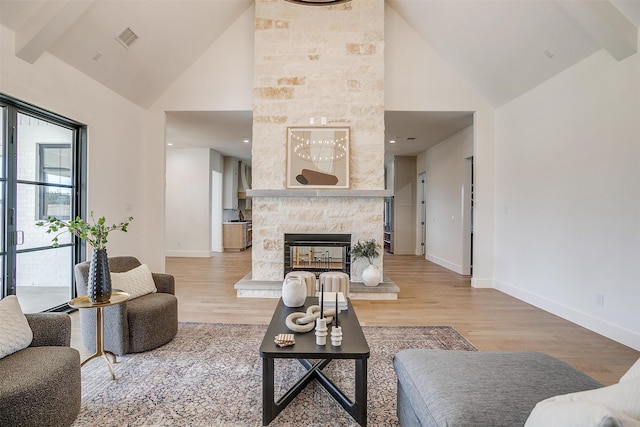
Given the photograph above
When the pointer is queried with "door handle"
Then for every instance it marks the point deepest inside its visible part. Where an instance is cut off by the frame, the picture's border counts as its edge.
(19, 241)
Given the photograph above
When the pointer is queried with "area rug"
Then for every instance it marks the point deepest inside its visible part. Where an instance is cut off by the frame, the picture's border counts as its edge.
(211, 375)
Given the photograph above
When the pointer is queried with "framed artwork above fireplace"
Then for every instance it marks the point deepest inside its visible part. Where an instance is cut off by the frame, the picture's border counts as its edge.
(318, 157)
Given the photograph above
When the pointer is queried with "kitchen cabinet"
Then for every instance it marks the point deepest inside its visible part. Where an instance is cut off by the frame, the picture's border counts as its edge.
(388, 241)
(236, 182)
(236, 235)
(230, 183)
(244, 201)
(244, 184)
(401, 179)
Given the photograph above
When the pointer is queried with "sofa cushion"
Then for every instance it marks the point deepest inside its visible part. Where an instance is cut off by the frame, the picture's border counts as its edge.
(633, 372)
(466, 388)
(136, 282)
(15, 333)
(578, 414)
(152, 321)
(40, 386)
(621, 399)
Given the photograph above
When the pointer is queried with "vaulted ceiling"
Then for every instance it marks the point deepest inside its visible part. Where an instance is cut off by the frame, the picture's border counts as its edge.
(503, 47)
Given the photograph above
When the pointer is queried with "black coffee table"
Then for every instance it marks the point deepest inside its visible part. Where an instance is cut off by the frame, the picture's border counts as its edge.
(354, 346)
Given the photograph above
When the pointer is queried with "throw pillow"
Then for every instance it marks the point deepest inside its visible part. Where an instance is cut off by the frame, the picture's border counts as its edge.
(135, 282)
(577, 414)
(15, 332)
(633, 372)
(622, 399)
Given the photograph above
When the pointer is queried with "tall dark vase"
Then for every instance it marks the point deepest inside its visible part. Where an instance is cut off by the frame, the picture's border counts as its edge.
(99, 285)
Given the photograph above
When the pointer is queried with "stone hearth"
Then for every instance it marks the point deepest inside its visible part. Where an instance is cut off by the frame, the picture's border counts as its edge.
(248, 288)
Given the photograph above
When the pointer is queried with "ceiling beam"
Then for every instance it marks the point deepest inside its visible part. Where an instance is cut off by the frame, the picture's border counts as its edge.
(45, 26)
(606, 25)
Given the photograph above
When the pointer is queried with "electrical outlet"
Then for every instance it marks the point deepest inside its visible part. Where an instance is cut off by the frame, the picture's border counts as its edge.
(600, 300)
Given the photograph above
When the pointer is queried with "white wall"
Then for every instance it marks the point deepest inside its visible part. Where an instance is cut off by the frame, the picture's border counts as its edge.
(221, 79)
(216, 161)
(189, 192)
(418, 79)
(446, 168)
(568, 196)
(119, 153)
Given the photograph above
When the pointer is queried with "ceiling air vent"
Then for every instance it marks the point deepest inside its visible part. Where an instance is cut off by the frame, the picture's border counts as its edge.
(127, 38)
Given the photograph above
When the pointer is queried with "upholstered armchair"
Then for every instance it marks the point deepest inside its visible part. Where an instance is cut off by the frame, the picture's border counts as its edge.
(41, 385)
(137, 325)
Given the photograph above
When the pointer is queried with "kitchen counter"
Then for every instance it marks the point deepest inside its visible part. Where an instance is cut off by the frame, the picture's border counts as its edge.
(236, 235)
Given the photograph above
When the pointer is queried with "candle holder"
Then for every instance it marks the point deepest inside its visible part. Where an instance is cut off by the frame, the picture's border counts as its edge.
(336, 336)
(321, 331)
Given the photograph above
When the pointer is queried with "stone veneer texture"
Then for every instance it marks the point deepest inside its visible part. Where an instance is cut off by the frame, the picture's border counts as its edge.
(316, 61)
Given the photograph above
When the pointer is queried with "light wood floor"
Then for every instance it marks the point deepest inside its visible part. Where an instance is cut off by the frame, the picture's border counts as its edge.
(429, 295)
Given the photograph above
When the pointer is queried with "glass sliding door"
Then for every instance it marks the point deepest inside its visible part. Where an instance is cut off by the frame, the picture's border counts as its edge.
(42, 180)
(3, 186)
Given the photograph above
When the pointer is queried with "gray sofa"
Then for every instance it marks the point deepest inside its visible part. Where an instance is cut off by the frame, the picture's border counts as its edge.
(467, 388)
(40, 385)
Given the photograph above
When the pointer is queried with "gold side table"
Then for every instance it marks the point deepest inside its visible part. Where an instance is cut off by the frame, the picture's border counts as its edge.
(84, 302)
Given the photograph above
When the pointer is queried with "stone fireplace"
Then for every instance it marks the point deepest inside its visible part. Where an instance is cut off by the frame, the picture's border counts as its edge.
(317, 253)
(321, 65)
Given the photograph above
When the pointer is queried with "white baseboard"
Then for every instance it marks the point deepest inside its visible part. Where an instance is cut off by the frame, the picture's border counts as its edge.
(586, 320)
(481, 283)
(444, 263)
(189, 254)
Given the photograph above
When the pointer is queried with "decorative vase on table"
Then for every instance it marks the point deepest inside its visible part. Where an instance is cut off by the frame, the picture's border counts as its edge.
(294, 291)
(371, 275)
(99, 283)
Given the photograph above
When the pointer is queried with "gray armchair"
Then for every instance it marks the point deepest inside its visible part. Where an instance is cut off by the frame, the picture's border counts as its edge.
(41, 384)
(140, 324)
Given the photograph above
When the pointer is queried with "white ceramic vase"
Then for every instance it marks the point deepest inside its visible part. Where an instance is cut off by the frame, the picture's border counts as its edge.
(294, 291)
(371, 275)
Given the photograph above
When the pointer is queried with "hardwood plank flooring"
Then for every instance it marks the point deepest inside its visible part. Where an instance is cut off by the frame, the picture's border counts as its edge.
(429, 295)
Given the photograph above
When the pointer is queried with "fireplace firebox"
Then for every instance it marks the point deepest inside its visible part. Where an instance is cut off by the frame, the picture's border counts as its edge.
(317, 253)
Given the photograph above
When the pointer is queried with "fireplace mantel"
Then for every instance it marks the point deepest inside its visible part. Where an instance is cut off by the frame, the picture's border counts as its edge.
(320, 193)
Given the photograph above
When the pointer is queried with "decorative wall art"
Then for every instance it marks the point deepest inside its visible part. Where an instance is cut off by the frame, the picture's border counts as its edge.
(318, 157)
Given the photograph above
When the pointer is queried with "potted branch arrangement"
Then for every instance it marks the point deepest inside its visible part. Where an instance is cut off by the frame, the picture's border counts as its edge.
(95, 233)
(369, 250)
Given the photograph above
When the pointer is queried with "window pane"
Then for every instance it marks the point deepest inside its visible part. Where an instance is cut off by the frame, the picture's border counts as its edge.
(55, 202)
(2, 275)
(3, 129)
(33, 133)
(28, 214)
(43, 279)
(2, 209)
(55, 163)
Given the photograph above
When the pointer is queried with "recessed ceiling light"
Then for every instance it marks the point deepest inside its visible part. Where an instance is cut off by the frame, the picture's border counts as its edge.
(246, 140)
(392, 141)
(169, 144)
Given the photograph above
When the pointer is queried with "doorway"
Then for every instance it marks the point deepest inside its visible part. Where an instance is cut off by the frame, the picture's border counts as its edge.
(422, 205)
(39, 177)
(467, 244)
